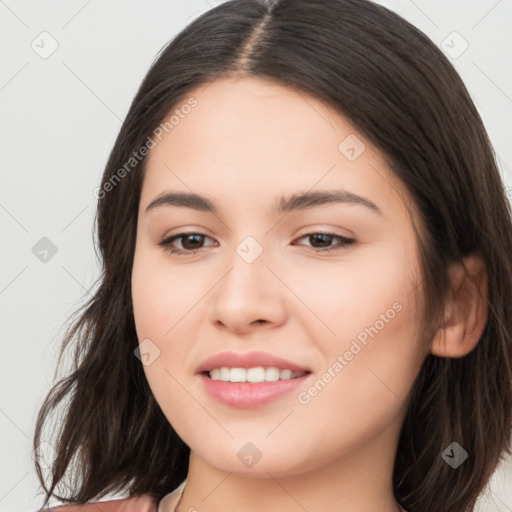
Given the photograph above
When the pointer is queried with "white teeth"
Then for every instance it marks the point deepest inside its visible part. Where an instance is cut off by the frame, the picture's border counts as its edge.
(272, 374)
(215, 374)
(285, 374)
(224, 374)
(254, 375)
(237, 375)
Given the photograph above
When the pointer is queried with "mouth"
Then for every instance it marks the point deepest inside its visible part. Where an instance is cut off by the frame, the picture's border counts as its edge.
(254, 364)
(253, 375)
(250, 379)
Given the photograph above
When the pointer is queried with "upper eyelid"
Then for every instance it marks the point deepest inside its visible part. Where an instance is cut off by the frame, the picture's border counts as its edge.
(186, 233)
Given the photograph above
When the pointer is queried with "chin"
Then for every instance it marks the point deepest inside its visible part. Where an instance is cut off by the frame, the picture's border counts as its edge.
(256, 459)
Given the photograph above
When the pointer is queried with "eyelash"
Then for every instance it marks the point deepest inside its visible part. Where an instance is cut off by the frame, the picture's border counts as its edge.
(166, 243)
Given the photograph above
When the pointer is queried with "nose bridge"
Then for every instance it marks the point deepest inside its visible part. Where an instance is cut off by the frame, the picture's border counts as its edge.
(248, 271)
(248, 292)
(250, 250)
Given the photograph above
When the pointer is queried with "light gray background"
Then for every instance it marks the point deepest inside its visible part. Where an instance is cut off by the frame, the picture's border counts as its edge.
(59, 119)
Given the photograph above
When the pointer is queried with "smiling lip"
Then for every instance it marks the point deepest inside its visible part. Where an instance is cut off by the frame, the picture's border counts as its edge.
(247, 394)
(248, 360)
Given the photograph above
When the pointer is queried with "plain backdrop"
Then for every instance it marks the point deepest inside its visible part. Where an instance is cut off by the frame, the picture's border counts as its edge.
(68, 73)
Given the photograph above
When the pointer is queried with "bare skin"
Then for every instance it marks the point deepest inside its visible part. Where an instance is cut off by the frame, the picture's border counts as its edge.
(247, 143)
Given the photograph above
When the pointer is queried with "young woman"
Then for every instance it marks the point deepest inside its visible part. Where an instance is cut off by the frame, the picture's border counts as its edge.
(306, 296)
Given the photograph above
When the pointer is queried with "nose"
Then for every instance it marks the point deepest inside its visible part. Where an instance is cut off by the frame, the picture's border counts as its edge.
(248, 295)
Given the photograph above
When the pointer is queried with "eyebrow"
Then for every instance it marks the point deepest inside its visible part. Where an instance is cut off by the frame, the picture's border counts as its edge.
(297, 201)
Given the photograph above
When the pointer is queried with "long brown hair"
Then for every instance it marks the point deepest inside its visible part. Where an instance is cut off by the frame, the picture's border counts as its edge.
(402, 93)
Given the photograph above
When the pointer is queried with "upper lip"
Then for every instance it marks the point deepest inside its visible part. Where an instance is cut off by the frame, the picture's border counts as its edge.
(248, 360)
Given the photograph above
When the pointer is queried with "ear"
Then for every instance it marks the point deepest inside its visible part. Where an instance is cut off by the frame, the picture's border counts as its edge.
(465, 310)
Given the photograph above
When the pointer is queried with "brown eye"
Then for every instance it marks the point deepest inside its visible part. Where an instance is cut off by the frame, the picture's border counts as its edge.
(325, 241)
(190, 242)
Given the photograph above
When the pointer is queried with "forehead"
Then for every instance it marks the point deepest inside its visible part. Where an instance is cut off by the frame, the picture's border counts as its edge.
(263, 139)
(256, 117)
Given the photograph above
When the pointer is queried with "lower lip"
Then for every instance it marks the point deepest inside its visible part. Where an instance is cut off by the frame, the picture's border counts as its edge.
(248, 395)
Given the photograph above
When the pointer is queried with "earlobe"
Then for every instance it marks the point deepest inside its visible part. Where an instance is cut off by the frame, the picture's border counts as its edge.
(465, 310)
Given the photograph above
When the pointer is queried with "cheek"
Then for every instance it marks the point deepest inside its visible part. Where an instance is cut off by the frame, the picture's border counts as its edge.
(167, 309)
(354, 294)
(161, 294)
(371, 359)
(376, 348)
(160, 300)
(368, 372)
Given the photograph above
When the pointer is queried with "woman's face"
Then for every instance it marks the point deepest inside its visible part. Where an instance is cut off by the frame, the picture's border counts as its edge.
(256, 278)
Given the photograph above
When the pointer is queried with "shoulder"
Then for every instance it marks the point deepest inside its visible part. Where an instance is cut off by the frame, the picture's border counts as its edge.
(144, 503)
